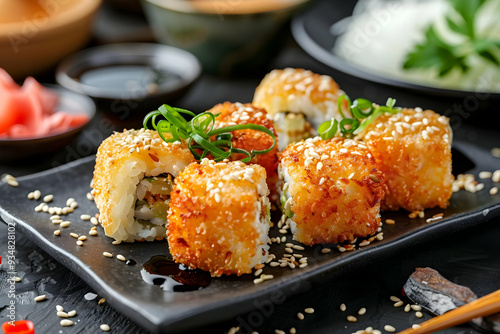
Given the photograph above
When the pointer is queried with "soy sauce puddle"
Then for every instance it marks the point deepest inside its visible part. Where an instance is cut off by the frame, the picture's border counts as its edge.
(171, 276)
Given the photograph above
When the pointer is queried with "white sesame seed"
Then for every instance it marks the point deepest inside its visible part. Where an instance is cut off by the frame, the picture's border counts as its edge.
(74, 235)
(309, 310)
(389, 328)
(343, 307)
(351, 318)
(496, 176)
(107, 254)
(94, 221)
(66, 323)
(82, 238)
(40, 298)
(89, 196)
(419, 314)
(364, 243)
(267, 277)
(93, 232)
(326, 250)
(85, 217)
(65, 223)
(415, 326)
(16, 279)
(362, 311)
(416, 307)
(79, 243)
(398, 304)
(395, 299)
(494, 191)
(37, 194)
(48, 198)
(258, 280)
(258, 272)
(57, 232)
(72, 313)
(407, 308)
(291, 265)
(62, 314)
(74, 205)
(300, 316)
(288, 250)
(31, 195)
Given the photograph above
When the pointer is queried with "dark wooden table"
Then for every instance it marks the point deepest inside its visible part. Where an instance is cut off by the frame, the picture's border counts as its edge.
(470, 257)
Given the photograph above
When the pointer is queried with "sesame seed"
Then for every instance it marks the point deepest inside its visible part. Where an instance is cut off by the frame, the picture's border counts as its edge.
(300, 316)
(93, 232)
(395, 299)
(66, 323)
(12, 181)
(48, 198)
(343, 307)
(57, 232)
(79, 243)
(101, 301)
(398, 304)
(362, 311)
(31, 195)
(116, 242)
(74, 235)
(390, 221)
(416, 307)
(107, 254)
(74, 205)
(389, 328)
(309, 310)
(105, 328)
(121, 257)
(90, 197)
(94, 221)
(65, 224)
(62, 314)
(496, 176)
(326, 250)
(82, 238)
(267, 277)
(288, 250)
(351, 318)
(293, 330)
(494, 191)
(258, 272)
(258, 280)
(16, 279)
(59, 308)
(374, 178)
(37, 194)
(407, 308)
(40, 298)
(415, 326)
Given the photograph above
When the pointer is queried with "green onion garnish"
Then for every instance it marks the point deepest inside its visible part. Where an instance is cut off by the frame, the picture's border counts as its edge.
(200, 133)
(363, 111)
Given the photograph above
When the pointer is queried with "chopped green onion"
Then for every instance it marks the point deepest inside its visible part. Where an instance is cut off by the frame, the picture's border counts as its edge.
(364, 112)
(200, 133)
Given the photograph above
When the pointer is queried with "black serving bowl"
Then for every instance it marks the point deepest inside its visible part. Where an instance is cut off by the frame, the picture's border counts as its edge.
(69, 102)
(311, 30)
(129, 80)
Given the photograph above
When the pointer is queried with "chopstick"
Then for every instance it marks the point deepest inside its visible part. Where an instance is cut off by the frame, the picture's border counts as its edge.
(484, 306)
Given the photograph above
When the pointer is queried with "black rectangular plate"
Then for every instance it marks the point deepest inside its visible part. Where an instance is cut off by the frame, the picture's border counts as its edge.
(226, 297)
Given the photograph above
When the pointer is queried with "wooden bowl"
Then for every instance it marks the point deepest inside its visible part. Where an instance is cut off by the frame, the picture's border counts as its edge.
(36, 35)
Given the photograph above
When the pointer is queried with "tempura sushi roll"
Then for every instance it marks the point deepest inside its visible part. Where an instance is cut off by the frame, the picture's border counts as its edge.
(248, 139)
(413, 150)
(331, 190)
(299, 101)
(133, 177)
(219, 217)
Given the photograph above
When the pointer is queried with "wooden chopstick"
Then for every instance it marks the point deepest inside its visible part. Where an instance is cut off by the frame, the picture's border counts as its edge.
(481, 307)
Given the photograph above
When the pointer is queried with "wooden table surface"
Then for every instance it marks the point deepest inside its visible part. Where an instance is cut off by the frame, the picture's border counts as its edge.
(470, 257)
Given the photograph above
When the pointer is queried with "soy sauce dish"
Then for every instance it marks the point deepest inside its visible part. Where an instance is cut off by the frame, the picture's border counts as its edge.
(130, 79)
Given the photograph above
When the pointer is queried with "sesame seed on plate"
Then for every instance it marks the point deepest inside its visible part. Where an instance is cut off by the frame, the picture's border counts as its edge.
(300, 316)
(65, 224)
(351, 318)
(74, 235)
(79, 243)
(93, 232)
(494, 191)
(407, 308)
(105, 328)
(85, 217)
(48, 198)
(57, 232)
(389, 328)
(66, 323)
(72, 313)
(101, 301)
(82, 238)
(309, 310)
(362, 311)
(419, 314)
(258, 280)
(107, 254)
(121, 257)
(415, 326)
(16, 279)
(395, 299)
(398, 304)
(62, 314)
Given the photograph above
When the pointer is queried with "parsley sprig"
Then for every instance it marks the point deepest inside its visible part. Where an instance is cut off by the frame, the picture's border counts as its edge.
(435, 52)
(200, 134)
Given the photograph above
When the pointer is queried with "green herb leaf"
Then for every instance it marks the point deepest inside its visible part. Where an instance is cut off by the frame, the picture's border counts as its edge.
(199, 133)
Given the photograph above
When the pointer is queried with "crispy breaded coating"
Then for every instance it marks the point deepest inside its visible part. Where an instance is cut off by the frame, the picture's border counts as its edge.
(237, 113)
(413, 150)
(219, 217)
(122, 160)
(332, 189)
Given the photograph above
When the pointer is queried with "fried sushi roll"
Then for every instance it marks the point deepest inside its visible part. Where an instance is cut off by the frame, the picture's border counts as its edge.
(248, 139)
(133, 177)
(219, 217)
(331, 190)
(413, 150)
(299, 101)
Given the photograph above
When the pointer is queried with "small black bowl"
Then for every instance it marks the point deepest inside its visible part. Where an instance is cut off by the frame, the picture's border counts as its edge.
(16, 149)
(129, 80)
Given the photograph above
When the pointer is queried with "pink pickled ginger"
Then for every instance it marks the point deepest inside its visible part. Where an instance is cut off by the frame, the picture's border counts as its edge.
(28, 111)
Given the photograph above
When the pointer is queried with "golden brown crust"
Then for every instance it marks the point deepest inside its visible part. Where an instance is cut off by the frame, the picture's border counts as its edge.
(117, 150)
(212, 217)
(335, 190)
(413, 150)
(237, 113)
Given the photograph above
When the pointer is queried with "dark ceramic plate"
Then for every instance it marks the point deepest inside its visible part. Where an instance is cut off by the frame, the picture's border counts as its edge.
(312, 32)
(225, 297)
